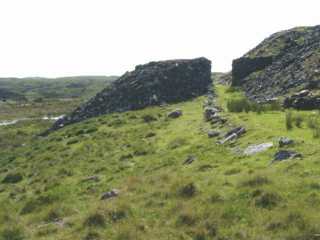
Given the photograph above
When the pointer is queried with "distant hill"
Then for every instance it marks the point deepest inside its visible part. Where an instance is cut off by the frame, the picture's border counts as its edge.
(286, 62)
(48, 88)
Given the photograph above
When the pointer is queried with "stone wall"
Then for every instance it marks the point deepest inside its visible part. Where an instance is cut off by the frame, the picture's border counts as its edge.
(154, 83)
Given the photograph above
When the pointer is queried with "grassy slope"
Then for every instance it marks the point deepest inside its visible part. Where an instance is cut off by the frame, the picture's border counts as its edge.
(235, 197)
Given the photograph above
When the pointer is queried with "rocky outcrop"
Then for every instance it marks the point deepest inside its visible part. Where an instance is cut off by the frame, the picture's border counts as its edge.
(286, 61)
(242, 67)
(154, 83)
(304, 100)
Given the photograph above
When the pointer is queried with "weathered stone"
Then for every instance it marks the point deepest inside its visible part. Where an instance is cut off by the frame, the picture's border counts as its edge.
(175, 114)
(284, 141)
(303, 100)
(213, 133)
(232, 134)
(209, 113)
(12, 178)
(154, 83)
(253, 149)
(111, 194)
(285, 155)
(190, 159)
(91, 178)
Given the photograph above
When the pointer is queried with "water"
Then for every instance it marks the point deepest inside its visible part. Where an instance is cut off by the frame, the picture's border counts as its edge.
(15, 121)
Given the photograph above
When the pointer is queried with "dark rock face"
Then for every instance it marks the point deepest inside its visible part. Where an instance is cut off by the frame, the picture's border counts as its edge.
(242, 67)
(154, 83)
(304, 100)
(286, 61)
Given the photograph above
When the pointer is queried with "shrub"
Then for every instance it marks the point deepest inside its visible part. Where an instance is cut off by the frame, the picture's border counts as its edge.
(232, 89)
(267, 200)
(149, 118)
(118, 214)
(176, 143)
(298, 121)
(238, 105)
(186, 218)
(245, 105)
(13, 233)
(313, 122)
(289, 120)
(29, 207)
(188, 190)
(256, 181)
(12, 178)
(92, 236)
(95, 220)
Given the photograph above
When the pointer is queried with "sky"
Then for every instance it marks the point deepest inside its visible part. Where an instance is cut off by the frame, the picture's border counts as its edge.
(53, 38)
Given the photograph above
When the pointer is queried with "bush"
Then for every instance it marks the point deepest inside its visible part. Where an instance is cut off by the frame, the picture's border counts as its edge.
(256, 181)
(267, 200)
(289, 120)
(95, 220)
(149, 118)
(188, 190)
(238, 105)
(245, 105)
(313, 123)
(12, 178)
(176, 143)
(13, 233)
(298, 121)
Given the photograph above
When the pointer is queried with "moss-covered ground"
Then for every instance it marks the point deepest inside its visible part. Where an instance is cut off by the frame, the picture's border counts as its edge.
(221, 195)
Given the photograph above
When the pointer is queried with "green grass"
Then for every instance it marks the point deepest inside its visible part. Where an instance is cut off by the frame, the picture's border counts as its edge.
(221, 195)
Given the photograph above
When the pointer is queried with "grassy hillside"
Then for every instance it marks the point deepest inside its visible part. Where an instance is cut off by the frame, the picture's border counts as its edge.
(221, 195)
(66, 87)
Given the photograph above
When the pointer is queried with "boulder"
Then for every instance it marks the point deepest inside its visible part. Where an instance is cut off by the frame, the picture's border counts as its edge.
(285, 155)
(190, 159)
(91, 178)
(210, 113)
(253, 149)
(175, 114)
(155, 83)
(111, 194)
(303, 100)
(284, 141)
(232, 135)
(213, 133)
(12, 178)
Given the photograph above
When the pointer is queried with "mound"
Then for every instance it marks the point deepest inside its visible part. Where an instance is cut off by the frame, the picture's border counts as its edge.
(154, 83)
(286, 62)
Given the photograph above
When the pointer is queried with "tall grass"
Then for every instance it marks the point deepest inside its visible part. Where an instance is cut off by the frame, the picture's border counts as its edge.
(245, 105)
(311, 121)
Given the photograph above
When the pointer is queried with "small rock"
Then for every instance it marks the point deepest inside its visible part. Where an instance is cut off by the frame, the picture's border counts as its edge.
(13, 178)
(253, 149)
(284, 141)
(91, 178)
(189, 160)
(213, 133)
(285, 155)
(111, 194)
(175, 114)
(209, 113)
(232, 134)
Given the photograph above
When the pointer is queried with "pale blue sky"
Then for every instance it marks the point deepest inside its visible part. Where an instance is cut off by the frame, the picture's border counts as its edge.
(103, 37)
